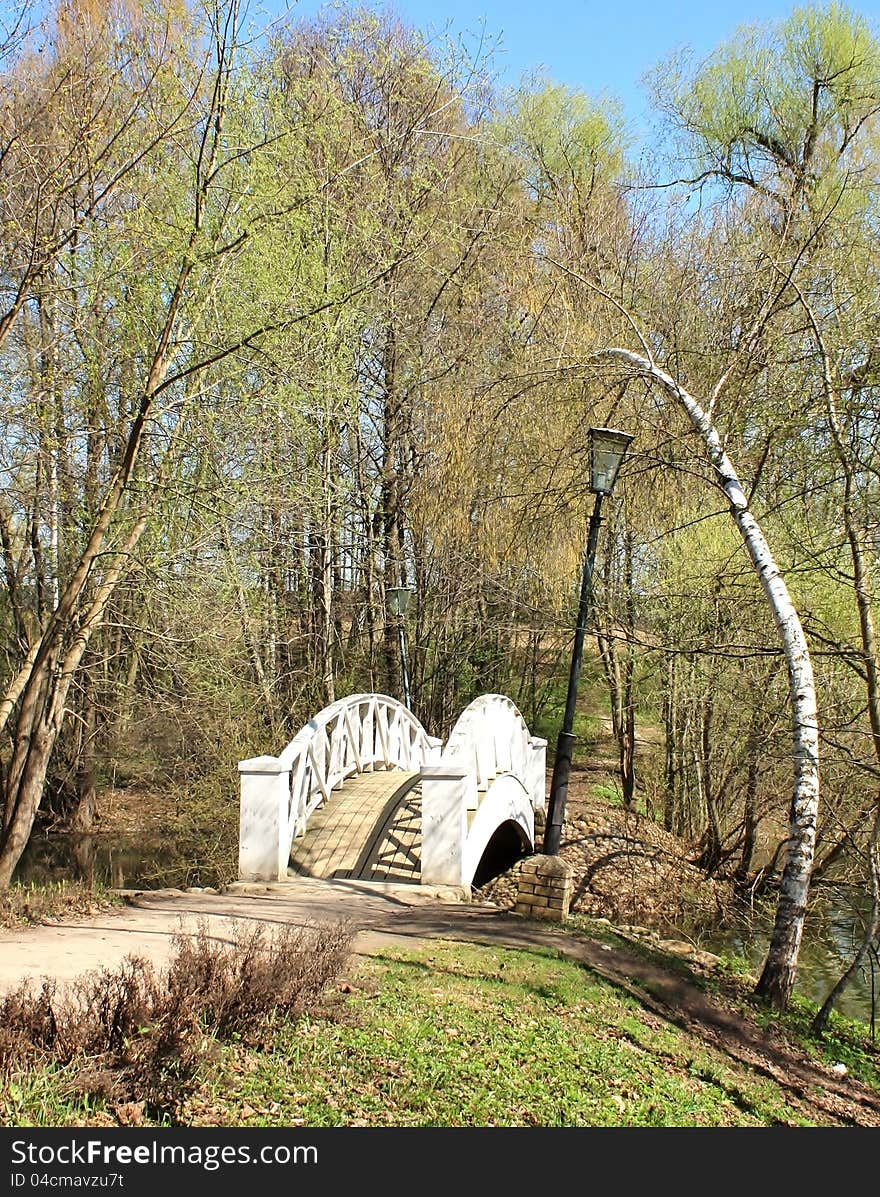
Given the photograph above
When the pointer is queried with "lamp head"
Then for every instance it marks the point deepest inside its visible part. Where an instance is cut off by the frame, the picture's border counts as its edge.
(397, 598)
(608, 448)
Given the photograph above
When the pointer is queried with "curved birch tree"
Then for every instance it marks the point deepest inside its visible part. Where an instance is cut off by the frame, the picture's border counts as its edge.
(778, 975)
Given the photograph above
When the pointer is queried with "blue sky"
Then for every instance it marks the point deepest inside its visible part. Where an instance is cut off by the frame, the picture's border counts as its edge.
(599, 46)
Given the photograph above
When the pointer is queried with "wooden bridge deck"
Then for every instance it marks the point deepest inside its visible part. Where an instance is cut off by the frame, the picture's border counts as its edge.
(369, 830)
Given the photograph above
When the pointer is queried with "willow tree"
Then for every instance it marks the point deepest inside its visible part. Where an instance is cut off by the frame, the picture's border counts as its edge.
(406, 118)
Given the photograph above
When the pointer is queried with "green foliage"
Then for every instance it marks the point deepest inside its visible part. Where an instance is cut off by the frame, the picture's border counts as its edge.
(736, 966)
(607, 793)
(845, 1041)
(564, 138)
(782, 106)
(467, 1036)
(591, 699)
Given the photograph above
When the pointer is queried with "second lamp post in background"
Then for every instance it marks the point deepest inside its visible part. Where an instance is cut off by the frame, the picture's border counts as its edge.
(608, 448)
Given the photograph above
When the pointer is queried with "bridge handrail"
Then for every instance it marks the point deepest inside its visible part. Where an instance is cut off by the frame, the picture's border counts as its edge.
(491, 737)
(355, 734)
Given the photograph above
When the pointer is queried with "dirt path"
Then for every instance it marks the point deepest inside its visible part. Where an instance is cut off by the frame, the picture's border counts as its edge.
(147, 924)
(384, 914)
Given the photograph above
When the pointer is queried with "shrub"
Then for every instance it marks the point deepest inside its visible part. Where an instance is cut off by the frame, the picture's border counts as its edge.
(134, 1034)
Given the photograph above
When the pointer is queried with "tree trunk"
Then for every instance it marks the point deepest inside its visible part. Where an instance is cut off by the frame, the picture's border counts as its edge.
(22, 805)
(628, 721)
(869, 935)
(85, 815)
(710, 854)
(326, 588)
(392, 526)
(670, 704)
(750, 814)
(864, 603)
(42, 707)
(778, 975)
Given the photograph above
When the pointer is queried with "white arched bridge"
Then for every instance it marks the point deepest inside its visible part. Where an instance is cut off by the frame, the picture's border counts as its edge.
(363, 791)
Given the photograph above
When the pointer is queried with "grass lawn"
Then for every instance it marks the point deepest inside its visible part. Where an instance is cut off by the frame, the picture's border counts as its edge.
(459, 1035)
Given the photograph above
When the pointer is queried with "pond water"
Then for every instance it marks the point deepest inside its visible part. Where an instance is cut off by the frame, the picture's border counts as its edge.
(114, 861)
(831, 932)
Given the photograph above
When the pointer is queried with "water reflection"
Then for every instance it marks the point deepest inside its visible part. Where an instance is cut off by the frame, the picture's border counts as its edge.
(832, 933)
(115, 862)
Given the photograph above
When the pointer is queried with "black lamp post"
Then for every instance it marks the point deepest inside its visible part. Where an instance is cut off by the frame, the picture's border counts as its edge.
(607, 450)
(397, 599)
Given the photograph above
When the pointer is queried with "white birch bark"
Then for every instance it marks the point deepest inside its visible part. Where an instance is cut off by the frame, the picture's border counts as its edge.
(778, 975)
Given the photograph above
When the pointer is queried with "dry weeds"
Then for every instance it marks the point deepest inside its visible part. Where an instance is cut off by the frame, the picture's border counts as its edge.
(137, 1035)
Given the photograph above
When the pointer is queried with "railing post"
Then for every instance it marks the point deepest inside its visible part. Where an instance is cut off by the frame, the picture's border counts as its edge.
(447, 792)
(502, 734)
(264, 819)
(368, 734)
(484, 758)
(536, 766)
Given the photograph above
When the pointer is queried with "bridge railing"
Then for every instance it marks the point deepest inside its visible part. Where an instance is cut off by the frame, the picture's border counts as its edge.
(489, 744)
(356, 734)
(491, 737)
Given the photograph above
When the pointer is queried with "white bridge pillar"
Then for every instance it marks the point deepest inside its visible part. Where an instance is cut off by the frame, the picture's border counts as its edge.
(263, 836)
(448, 792)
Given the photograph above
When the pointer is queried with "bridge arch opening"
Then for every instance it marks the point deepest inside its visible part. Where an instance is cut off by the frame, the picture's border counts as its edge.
(508, 844)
